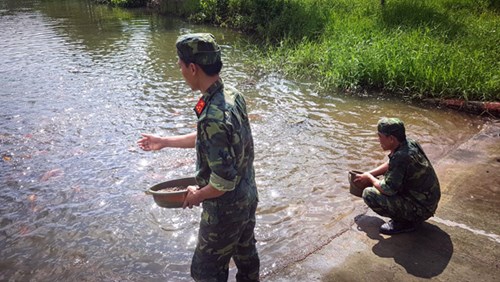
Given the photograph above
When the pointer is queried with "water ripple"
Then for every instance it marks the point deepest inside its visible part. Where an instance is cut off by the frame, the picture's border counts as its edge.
(81, 82)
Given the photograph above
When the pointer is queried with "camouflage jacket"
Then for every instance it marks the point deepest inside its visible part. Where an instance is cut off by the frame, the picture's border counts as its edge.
(412, 176)
(224, 146)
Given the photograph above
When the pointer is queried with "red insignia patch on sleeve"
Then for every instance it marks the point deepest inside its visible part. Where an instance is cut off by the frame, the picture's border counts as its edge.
(199, 106)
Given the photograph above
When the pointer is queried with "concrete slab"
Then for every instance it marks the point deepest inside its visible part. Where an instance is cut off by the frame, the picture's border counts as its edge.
(461, 243)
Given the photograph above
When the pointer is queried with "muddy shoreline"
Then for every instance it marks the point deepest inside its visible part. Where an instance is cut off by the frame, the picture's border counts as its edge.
(488, 109)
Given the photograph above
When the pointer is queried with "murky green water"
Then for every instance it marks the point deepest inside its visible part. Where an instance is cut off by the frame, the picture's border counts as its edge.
(79, 83)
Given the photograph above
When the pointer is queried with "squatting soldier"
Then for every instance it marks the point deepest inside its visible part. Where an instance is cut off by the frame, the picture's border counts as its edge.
(225, 172)
(409, 191)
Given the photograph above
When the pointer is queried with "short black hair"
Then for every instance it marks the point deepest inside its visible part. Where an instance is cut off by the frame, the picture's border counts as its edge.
(210, 70)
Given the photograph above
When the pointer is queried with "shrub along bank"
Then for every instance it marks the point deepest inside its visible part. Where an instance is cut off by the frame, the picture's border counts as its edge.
(419, 49)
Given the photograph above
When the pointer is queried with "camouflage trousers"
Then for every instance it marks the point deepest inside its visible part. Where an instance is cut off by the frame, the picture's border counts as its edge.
(396, 207)
(225, 234)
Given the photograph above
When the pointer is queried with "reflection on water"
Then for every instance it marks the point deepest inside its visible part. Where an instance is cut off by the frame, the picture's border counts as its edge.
(80, 82)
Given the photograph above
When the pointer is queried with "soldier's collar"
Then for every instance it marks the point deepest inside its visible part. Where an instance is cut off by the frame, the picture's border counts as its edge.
(202, 102)
(400, 146)
(215, 87)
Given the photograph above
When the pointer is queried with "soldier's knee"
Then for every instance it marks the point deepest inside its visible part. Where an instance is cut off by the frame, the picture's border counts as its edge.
(369, 195)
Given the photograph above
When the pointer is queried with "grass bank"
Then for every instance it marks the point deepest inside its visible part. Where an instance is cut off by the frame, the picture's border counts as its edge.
(418, 49)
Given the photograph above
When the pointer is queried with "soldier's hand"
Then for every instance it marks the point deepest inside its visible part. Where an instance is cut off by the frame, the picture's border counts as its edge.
(193, 197)
(363, 180)
(149, 142)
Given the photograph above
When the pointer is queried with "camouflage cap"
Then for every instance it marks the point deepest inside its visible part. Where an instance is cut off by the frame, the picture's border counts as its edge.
(391, 126)
(198, 48)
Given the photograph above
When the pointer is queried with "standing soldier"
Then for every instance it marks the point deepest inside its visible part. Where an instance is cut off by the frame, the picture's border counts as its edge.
(409, 192)
(225, 172)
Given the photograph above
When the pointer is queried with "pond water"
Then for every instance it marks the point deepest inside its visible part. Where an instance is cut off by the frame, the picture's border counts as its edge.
(78, 84)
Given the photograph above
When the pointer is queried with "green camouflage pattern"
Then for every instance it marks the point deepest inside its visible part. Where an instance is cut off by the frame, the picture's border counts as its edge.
(410, 186)
(219, 241)
(225, 154)
(396, 207)
(198, 48)
(391, 126)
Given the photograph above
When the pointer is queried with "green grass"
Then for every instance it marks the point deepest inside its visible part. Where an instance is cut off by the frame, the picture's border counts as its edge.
(418, 49)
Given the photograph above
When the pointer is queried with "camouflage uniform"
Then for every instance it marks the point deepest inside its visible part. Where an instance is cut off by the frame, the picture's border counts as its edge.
(225, 154)
(410, 186)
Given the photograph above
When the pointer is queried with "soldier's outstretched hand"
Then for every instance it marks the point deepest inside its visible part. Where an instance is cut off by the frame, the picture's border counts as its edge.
(149, 142)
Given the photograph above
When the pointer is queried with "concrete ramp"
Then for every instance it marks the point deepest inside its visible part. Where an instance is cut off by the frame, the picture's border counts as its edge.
(461, 243)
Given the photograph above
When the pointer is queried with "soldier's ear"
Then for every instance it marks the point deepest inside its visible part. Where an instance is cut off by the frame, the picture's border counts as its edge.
(391, 138)
(192, 68)
(394, 139)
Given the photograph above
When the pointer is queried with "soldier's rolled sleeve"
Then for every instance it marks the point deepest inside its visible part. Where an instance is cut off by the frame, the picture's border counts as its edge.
(220, 155)
(222, 184)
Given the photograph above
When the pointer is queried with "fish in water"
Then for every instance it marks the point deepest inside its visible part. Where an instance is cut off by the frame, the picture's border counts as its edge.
(51, 174)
